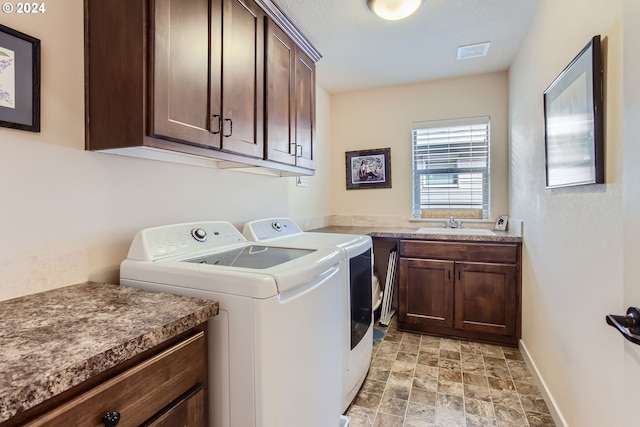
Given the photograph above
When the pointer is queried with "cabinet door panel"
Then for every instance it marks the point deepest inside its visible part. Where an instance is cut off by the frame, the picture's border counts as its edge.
(243, 78)
(486, 298)
(305, 111)
(425, 292)
(180, 78)
(280, 98)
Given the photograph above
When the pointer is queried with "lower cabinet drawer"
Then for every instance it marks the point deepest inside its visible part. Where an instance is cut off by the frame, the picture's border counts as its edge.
(502, 253)
(139, 393)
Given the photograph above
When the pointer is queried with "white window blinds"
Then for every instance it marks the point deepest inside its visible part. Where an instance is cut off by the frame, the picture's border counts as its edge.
(451, 165)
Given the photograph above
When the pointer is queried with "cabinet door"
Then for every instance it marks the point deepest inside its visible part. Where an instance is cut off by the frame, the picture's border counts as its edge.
(180, 95)
(280, 95)
(243, 77)
(486, 298)
(305, 110)
(425, 292)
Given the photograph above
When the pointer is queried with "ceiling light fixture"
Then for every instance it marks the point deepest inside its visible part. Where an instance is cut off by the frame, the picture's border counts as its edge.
(393, 10)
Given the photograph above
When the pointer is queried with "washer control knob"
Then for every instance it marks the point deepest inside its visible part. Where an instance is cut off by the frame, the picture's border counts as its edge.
(276, 226)
(199, 234)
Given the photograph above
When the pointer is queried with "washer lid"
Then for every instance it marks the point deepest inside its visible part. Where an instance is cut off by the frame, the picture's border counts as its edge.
(234, 280)
(252, 256)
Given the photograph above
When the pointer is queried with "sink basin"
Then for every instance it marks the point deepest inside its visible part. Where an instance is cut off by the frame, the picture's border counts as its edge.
(466, 231)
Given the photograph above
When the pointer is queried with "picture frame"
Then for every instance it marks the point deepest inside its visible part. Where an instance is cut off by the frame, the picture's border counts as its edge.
(368, 169)
(19, 80)
(573, 121)
(501, 223)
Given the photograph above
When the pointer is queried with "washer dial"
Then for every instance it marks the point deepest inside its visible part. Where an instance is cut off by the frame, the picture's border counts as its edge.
(199, 234)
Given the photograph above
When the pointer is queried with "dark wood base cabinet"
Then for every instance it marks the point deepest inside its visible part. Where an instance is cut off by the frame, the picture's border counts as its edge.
(165, 386)
(463, 290)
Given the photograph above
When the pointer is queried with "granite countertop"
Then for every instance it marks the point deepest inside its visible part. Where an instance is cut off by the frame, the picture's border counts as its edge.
(460, 235)
(54, 340)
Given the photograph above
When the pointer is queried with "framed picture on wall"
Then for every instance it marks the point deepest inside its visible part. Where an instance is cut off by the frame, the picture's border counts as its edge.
(19, 80)
(573, 122)
(368, 169)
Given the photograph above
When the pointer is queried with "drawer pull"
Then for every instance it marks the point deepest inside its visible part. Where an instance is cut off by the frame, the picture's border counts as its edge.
(111, 419)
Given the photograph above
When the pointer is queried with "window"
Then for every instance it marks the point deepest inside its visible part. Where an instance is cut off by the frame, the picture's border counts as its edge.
(451, 167)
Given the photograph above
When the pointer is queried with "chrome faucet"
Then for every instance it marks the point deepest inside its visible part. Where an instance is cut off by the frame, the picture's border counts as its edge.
(452, 223)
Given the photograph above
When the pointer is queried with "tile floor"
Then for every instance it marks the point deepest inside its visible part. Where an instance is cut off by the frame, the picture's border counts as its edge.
(422, 381)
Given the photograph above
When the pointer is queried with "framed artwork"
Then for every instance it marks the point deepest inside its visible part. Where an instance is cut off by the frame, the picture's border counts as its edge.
(573, 122)
(501, 223)
(19, 80)
(369, 169)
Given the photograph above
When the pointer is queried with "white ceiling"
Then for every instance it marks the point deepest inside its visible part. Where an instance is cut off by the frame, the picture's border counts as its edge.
(362, 51)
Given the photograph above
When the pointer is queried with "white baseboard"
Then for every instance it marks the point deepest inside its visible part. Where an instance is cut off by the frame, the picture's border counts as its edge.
(542, 386)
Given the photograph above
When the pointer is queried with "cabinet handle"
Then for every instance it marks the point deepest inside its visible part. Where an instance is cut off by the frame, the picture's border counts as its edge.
(293, 149)
(298, 150)
(219, 124)
(628, 326)
(230, 128)
(111, 419)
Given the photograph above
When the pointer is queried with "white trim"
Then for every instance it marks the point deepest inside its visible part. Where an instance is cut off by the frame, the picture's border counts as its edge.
(542, 386)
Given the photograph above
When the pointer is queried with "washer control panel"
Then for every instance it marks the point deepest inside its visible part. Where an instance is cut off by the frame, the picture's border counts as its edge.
(265, 229)
(156, 243)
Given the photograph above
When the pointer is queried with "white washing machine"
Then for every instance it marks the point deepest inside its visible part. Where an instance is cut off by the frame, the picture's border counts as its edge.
(357, 256)
(276, 358)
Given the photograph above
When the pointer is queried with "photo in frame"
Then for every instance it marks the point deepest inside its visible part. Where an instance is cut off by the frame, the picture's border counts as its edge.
(368, 169)
(501, 223)
(19, 80)
(573, 122)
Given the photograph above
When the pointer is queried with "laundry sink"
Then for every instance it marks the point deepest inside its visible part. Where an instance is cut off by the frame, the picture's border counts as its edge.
(465, 231)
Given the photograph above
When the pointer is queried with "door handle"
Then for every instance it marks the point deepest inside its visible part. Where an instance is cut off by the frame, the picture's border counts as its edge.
(628, 326)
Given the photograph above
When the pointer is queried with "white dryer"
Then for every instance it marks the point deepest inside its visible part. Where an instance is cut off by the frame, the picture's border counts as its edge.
(357, 256)
(275, 357)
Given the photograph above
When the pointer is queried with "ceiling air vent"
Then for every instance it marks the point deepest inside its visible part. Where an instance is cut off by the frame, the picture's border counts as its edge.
(473, 50)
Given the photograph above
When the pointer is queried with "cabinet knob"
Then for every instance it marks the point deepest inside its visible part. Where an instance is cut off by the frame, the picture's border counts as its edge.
(111, 419)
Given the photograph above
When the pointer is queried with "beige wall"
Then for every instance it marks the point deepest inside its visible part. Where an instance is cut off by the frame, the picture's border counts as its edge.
(68, 215)
(631, 202)
(382, 118)
(572, 272)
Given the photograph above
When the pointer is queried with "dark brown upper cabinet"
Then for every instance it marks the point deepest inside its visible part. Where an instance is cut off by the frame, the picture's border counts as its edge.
(165, 78)
(290, 98)
(207, 80)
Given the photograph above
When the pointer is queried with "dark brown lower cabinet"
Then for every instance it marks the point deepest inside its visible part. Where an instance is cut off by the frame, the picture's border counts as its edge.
(463, 290)
(163, 387)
